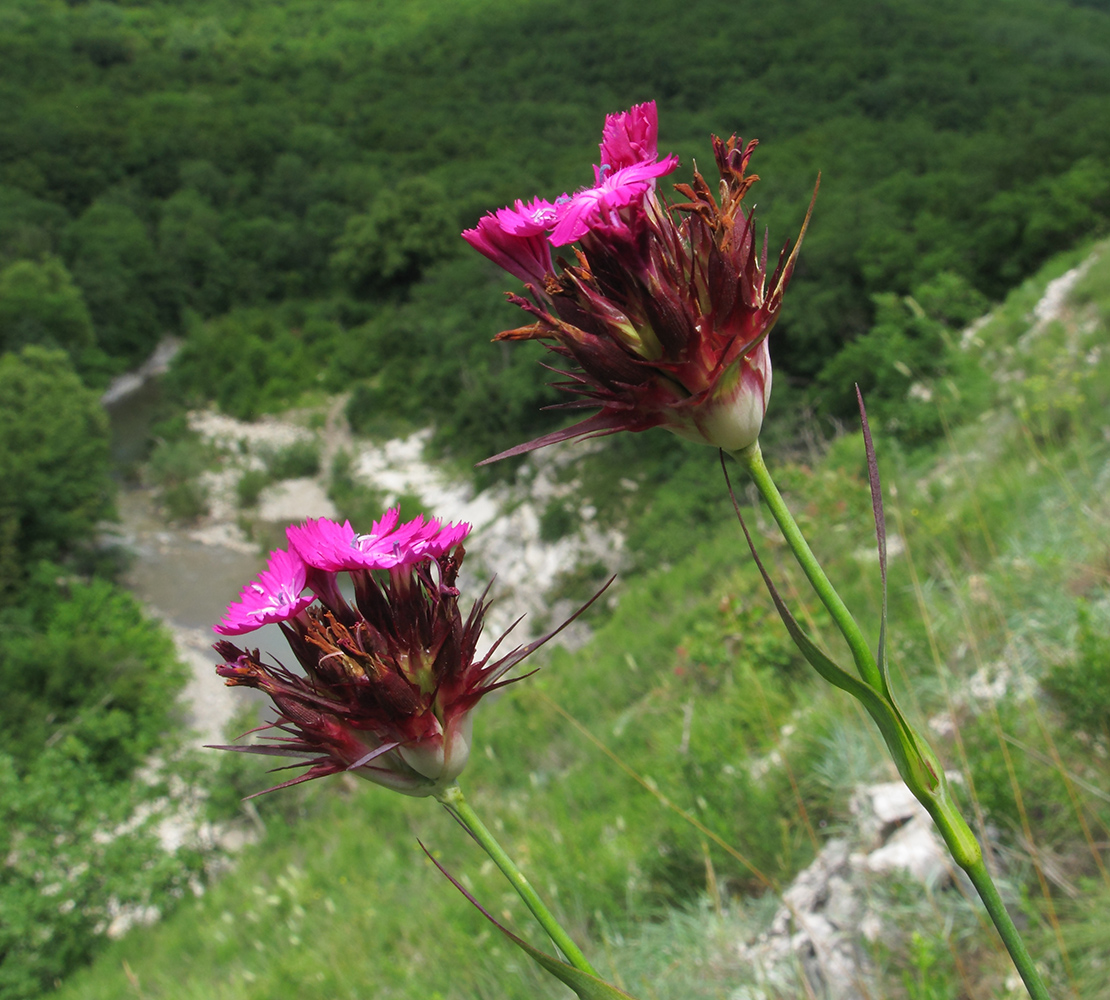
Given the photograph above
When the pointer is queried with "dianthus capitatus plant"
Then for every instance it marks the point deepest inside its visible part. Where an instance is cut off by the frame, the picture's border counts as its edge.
(660, 312)
(389, 676)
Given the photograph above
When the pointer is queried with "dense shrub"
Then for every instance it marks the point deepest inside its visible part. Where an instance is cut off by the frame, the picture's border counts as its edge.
(404, 231)
(248, 361)
(90, 686)
(39, 304)
(84, 669)
(296, 460)
(126, 283)
(54, 466)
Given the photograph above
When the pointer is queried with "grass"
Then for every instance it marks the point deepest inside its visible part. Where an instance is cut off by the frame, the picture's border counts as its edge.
(661, 783)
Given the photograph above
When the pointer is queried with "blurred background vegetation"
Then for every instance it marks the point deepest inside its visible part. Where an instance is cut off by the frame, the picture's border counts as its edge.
(282, 186)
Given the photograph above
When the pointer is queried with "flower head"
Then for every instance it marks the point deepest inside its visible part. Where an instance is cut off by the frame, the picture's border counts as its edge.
(665, 312)
(389, 680)
(276, 596)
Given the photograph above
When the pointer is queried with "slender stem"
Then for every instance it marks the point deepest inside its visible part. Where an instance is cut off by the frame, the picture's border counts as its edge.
(455, 802)
(988, 892)
(951, 824)
(965, 849)
(752, 459)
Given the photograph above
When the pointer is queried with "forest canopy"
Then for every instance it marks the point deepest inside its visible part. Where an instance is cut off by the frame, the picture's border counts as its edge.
(184, 163)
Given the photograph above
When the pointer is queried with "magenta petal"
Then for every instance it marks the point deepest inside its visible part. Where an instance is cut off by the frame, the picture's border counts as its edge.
(321, 543)
(386, 523)
(333, 548)
(527, 220)
(628, 184)
(276, 596)
(630, 136)
(526, 256)
(420, 539)
(444, 539)
(595, 206)
(577, 216)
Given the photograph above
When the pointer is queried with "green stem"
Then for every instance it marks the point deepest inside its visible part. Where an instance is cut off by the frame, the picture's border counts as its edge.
(953, 827)
(455, 802)
(988, 892)
(965, 849)
(752, 459)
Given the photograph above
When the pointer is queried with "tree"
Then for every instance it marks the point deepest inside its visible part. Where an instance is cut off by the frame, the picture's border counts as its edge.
(124, 281)
(40, 304)
(189, 241)
(405, 231)
(29, 227)
(54, 461)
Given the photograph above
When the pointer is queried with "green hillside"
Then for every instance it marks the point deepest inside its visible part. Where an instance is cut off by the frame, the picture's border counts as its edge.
(1000, 571)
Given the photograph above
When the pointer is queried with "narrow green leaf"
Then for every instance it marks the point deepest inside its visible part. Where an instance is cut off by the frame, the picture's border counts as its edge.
(880, 535)
(584, 985)
(587, 987)
(833, 673)
(904, 745)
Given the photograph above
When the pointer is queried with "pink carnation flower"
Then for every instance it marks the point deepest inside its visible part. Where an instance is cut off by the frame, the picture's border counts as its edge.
(389, 681)
(331, 547)
(664, 313)
(276, 596)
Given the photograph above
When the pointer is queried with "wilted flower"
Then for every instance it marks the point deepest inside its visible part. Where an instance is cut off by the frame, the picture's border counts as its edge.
(389, 680)
(665, 311)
